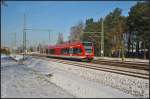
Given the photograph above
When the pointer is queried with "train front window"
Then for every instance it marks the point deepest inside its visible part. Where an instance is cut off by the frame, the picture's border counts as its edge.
(87, 47)
(87, 44)
(88, 50)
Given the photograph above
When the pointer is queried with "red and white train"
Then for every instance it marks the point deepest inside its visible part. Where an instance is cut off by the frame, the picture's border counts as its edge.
(72, 50)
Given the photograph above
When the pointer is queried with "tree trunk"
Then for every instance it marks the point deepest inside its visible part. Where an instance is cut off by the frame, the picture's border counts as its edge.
(149, 52)
(137, 48)
(144, 50)
(132, 47)
(129, 41)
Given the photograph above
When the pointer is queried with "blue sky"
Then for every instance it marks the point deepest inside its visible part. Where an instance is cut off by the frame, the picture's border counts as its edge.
(58, 16)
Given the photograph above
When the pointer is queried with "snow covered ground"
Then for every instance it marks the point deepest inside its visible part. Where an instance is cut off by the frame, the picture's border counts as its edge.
(17, 57)
(137, 87)
(41, 78)
(20, 81)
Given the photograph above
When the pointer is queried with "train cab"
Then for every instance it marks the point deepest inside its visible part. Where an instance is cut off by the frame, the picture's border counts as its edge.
(88, 50)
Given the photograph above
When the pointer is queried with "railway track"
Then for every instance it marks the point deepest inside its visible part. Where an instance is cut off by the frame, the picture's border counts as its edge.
(138, 65)
(117, 63)
(113, 69)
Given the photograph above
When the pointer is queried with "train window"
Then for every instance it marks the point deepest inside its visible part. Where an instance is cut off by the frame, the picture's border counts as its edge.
(87, 44)
(71, 51)
(88, 50)
(74, 50)
(51, 51)
(77, 50)
(65, 51)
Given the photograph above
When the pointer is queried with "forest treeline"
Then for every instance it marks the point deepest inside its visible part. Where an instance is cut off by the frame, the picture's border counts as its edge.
(130, 32)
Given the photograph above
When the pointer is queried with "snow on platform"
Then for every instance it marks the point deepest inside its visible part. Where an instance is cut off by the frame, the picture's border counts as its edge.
(3, 56)
(6, 60)
(16, 57)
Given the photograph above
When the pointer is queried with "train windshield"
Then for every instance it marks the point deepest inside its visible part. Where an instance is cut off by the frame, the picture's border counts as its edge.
(88, 47)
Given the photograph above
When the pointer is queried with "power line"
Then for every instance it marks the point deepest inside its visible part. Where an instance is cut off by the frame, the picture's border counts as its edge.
(102, 38)
(48, 30)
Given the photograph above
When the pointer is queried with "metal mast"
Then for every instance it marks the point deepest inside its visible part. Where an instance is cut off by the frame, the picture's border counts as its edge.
(49, 36)
(102, 39)
(15, 42)
(24, 37)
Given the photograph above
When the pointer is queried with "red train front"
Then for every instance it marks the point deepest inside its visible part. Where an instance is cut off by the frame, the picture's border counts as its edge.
(74, 50)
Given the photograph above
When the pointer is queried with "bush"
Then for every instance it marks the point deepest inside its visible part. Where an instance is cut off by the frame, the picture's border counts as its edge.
(5, 51)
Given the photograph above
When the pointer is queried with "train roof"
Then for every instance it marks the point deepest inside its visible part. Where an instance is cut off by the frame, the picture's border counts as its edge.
(67, 44)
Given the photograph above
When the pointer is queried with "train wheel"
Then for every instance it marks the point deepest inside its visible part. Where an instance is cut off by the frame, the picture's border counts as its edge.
(86, 60)
(90, 60)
